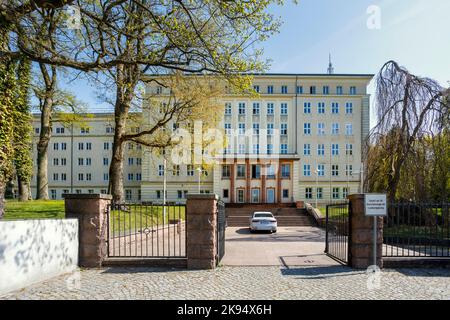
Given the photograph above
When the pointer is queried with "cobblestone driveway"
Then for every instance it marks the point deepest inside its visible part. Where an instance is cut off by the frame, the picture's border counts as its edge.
(332, 282)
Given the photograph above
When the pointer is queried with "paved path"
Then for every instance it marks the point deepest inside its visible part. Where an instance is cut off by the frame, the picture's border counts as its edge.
(267, 283)
(290, 246)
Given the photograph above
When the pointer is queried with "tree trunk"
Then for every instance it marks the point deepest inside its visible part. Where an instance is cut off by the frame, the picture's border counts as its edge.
(44, 139)
(24, 190)
(116, 167)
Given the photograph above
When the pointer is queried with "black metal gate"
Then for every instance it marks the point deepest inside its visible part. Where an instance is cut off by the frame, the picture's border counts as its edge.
(146, 230)
(338, 232)
(221, 225)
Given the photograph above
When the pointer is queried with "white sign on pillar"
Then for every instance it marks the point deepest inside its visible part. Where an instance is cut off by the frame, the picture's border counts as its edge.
(375, 205)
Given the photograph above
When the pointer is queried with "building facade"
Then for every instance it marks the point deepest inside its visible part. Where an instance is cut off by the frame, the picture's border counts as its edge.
(300, 139)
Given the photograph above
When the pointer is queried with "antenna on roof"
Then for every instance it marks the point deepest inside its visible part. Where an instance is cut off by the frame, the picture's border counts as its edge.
(330, 65)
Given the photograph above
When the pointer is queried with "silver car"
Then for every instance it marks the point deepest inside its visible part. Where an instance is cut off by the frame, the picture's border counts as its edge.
(263, 221)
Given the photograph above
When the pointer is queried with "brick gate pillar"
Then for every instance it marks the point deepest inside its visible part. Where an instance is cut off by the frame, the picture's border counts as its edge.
(90, 210)
(201, 231)
(361, 237)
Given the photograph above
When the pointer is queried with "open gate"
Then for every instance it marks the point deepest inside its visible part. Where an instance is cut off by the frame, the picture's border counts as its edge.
(221, 225)
(338, 232)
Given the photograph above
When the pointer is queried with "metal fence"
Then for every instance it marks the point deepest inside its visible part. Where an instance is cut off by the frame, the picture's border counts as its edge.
(414, 229)
(221, 225)
(338, 231)
(146, 230)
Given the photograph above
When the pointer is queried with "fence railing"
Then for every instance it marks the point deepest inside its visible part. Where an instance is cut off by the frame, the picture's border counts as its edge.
(146, 230)
(221, 225)
(414, 229)
(338, 231)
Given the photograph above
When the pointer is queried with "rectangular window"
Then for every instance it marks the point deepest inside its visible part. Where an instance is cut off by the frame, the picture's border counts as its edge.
(228, 128)
(299, 89)
(307, 149)
(138, 161)
(241, 148)
(256, 148)
(270, 129)
(55, 161)
(55, 177)
(256, 88)
(307, 170)
(349, 149)
(349, 108)
(308, 193)
(241, 128)
(241, 171)
(158, 194)
(130, 177)
(63, 161)
(312, 90)
(228, 108)
(334, 170)
(84, 130)
(307, 107)
(284, 148)
(53, 194)
(109, 129)
(105, 145)
(88, 145)
(283, 129)
(88, 176)
(161, 170)
(270, 109)
(80, 177)
(81, 161)
(284, 89)
(256, 128)
(352, 90)
(63, 146)
(270, 171)
(138, 176)
(285, 193)
(226, 171)
(60, 130)
(255, 108)
(335, 193)
(335, 129)
(286, 171)
(63, 177)
(88, 161)
(348, 169)
(256, 171)
(335, 149)
(339, 90)
(349, 129)
(128, 194)
(270, 89)
(321, 108)
(319, 193)
(307, 128)
(240, 196)
(344, 193)
(321, 170)
(105, 161)
(334, 108)
(190, 170)
(241, 108)
(55, 146)
(179, 194)
(130, 161)
(320, 149)
(326, 90)
(255, 195)
(105, 177)
(284, 108)
(269, 148)
(225, 193)
(176, 170)
(80, 146)
(321, 129)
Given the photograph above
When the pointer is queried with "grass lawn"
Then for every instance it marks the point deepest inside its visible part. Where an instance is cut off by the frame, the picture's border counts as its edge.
(36, 209)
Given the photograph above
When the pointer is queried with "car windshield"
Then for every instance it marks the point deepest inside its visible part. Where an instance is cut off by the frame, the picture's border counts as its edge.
(263, 215)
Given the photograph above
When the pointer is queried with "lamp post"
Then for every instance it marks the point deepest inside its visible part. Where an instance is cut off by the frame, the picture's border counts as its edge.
(199, 170)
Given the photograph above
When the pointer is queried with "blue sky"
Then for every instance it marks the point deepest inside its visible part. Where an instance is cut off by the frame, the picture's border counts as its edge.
(416, 33)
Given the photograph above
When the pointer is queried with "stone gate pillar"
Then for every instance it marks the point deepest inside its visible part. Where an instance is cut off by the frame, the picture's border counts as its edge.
(90, 210)
(361, 235)
(201, 231)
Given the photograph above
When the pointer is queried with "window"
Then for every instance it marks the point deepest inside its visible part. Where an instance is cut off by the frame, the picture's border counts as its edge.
(335, 149)
(36, 130)
(63, 161)
(335, 193)
(349, 149)
(335, 129)
(53, 194)
(60, 130)
(84, 130)
(256, 128)
(352, 90)
(256, 88)
(321, 170)
(105, 177)
(284, 108)
(348, 169)
(130, 177)
(80, 146)
(307, 107)
(349, 129)
(88, 145)
(256, 148)
(55, 177)
(226, 171)
(270, 108)
(307, 170)
(80, 177)
(283, 129)
(240, 195)
(159, 90)
(256, 171)
(179, 194)
(285, 193)
(55, 146)
(319, 193)
(312, 90)
(105, 145)
(308, 193)
(269, 148)
(190, 170)
(241, 148)
(128, 194)
(307, 128)
(307, 149)
(344, 193)
(241, 171)
(138, 161)
(284, 148)
(334, 170)
(256, 108)
(67, 191)
(284, 89)
(299, 89)
(88, 161)
(105, 161)
(158, 194)
(326, 90)
(227, 149)
(339, 90)
(225, 193)
(321, 129)
(286, 171)
(78, 191)
(55, 161)
(241, 128)
(63, 177)
(255, 195)
(228, 108)
(130, 161)
(228, 128)
(109, 129)
(334, 108)
(90, 191)
(138, 176)
(270, 129)
(320, 149)
(81, 161)
(63, 146)
(321, 108)
(176, 170)
(270, 171)
(270, 89)
(88, 176)
(241, 108)
(161, 170)
(349, 108)
(130, 146)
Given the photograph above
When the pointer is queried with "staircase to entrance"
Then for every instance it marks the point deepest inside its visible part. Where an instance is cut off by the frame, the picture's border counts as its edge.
(287, 215)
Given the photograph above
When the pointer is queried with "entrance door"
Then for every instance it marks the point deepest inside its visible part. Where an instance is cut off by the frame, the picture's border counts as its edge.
(270, 195)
